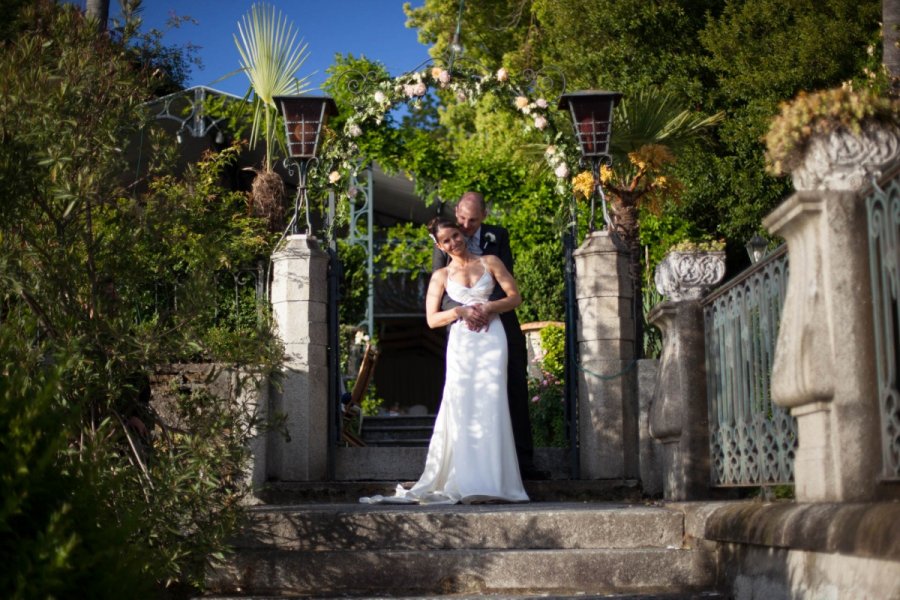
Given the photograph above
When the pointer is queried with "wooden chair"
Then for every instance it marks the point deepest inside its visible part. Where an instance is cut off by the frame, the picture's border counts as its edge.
(353, 408)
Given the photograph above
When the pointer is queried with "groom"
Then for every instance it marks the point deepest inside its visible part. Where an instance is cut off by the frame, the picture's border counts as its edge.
(491, 239)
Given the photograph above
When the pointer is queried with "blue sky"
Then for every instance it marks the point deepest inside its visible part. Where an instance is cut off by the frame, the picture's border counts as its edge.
(373, 28)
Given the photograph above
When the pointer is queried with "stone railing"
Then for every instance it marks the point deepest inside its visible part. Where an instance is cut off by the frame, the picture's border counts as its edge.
(752, 441)
(824, 370)
(883, 213)
(678, 415)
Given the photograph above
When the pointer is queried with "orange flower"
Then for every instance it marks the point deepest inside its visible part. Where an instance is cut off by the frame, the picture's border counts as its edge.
(583, 184)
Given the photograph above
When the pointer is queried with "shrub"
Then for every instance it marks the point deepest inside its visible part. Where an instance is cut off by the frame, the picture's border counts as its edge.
(547, 405)
(541, 279)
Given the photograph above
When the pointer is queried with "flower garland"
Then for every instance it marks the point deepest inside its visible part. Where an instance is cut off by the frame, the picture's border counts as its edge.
(377, 97)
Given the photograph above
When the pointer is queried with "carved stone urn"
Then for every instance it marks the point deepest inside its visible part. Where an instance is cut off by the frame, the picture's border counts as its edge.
(847, 161)
(689, 275)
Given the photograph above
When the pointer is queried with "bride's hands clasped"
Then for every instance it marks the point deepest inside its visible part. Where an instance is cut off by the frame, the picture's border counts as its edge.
(476, 317)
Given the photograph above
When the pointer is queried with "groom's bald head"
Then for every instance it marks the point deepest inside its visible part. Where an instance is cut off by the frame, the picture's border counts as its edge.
(471, 212)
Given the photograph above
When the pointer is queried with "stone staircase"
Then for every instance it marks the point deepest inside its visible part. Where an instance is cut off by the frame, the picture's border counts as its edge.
(556, 548)
(398, 431)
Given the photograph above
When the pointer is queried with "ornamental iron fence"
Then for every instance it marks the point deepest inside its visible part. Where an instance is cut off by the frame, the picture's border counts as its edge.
(752, 440)
(883, 212)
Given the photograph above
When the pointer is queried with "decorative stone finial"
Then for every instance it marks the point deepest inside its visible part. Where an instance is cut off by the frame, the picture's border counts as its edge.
(845, 161)
(689, 275)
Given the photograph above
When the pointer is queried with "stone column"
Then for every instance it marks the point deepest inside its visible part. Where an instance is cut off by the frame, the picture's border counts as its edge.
(824, 369)
(299, 306)
(607, 405)
(679, 415)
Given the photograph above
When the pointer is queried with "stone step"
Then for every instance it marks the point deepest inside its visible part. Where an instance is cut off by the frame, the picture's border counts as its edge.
(557, 526)
(395, 463)
(595, 571)
(400, 433)
(693, 595)
(400, 421)
(418, 442)
(349, 492)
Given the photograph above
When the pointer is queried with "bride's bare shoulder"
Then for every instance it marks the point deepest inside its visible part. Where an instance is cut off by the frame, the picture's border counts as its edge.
(440, 274)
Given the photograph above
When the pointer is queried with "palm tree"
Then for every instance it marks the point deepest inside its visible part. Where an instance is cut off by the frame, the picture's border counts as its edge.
(271, 55)
(650, 129)
(98, 10)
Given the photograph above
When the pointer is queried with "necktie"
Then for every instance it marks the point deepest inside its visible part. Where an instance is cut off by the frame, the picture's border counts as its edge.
(472, 245)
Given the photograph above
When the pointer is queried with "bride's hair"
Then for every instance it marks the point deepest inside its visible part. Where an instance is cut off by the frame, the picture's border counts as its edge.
(439, 223)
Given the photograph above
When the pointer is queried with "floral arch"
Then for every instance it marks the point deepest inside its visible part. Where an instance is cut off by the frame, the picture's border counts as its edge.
(531, 94)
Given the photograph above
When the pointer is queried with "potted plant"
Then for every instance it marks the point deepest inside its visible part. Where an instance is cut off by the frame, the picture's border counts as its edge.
(690, 269)
(270, 57)
(834, 139)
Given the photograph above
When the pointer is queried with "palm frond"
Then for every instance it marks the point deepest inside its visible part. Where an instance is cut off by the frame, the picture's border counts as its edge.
(651, 117)
(271, 55)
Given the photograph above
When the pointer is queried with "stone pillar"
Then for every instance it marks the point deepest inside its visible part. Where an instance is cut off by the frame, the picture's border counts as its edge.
(679, 415)
(299, 306)
(607, 405)
(824, 369)
(650, 448)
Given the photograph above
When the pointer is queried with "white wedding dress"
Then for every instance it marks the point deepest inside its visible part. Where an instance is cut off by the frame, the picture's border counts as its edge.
(472, 454)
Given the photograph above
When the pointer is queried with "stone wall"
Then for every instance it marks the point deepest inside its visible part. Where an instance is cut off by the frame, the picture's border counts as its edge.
(790, 551)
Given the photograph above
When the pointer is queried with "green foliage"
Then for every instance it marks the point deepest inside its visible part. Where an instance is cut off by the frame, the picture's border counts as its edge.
(354, 284)
(541, 280)
(58, 534)
(408, 250)
(741, 58)
(770, 50)
(105, 274)
(547, 405)
(146, 49)
(371, 403)
(553, 343)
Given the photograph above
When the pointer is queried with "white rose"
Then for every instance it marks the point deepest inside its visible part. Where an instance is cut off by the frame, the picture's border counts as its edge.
(420, 89)
(521, 102)
(540, 122)
(334, 177)
(502, 74)
(355, 130)
(541, 103)
(550, 151)
(444, 77)
(562, 171)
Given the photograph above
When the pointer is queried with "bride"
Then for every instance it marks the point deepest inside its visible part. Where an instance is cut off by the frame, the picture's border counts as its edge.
(472, 454)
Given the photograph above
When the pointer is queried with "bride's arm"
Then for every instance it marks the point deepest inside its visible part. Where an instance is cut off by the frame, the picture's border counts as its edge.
(508, 283)
(437, 317)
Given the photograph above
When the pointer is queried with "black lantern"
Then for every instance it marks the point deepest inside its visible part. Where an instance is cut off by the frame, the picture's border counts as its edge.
(304, 118)
(756, 248)
(592, 115)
